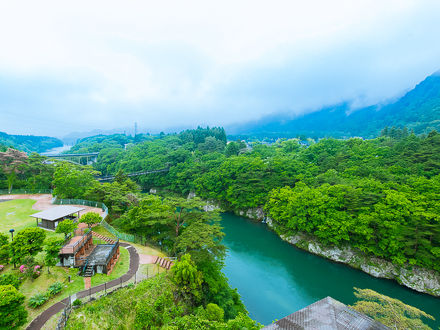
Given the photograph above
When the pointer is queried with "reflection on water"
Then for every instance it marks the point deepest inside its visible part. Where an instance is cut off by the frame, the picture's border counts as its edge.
(56, 151)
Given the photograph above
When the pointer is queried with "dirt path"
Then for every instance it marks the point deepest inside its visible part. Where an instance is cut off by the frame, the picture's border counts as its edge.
(44, 202)
(41, 319)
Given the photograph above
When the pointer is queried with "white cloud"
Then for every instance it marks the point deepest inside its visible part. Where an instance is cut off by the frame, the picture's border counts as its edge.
(181, 62)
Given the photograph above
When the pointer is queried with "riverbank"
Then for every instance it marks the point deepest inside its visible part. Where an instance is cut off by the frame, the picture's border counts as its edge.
(414, 277)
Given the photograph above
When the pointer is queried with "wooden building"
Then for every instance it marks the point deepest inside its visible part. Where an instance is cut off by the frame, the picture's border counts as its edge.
(75, 252)
(50, 218)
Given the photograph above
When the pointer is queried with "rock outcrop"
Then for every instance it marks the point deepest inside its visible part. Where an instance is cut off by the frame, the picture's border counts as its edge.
(414, 277)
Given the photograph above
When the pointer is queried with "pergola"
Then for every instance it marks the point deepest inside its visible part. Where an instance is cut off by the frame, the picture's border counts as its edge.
(52, 217)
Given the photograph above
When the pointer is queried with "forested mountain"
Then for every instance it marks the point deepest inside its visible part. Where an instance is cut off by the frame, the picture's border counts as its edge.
(29, 143)
(380, 195)
(419, 110)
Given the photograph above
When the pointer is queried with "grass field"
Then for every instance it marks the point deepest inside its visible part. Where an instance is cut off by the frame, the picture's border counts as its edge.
(120, 269)
(16, 214)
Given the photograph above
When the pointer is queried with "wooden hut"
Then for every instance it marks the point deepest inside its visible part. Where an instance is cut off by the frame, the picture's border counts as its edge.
(50, 218)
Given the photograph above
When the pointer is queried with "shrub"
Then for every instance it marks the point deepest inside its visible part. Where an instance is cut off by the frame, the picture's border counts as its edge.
(55, 288)
(13, 280)
(77, 303)
(1, 267)
(12, 311)
(37, 300)
(36, 272)
(5, 254)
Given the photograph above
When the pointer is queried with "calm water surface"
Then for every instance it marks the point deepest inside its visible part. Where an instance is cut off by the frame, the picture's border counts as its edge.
(275, 279)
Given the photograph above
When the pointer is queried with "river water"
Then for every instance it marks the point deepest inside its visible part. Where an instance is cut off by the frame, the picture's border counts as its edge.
(275, 278)
(57, 150)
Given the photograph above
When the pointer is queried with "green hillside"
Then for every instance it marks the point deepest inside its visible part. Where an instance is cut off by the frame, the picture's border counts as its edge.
(419, 110)
(29, 143)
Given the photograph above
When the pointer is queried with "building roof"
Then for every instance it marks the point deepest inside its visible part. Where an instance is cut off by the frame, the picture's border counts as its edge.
(327, 313)
(99, 254)
(57, 212)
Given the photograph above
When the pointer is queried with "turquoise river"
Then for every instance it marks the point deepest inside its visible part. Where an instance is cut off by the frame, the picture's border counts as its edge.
(275, 278)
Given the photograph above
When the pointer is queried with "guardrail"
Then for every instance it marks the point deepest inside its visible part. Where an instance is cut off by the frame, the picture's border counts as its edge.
(118, 234)
(110, 254)
(73, 248)
(25, 191)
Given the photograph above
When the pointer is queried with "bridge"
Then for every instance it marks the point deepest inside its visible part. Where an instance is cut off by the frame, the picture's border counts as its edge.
(90, 158)
(112, 177)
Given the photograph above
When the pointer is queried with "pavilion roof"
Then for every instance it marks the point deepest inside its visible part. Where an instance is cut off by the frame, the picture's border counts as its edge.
(327, 313)
(57, 212)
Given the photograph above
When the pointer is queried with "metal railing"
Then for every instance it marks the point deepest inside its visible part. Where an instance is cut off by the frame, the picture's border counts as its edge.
(25, 191)
(118, 234)
(77, 245)
(110, 254)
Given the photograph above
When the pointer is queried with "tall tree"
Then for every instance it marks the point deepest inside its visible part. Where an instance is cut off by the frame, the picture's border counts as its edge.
(12, 162)
(389, 311)
(71, 181)
(52, 250)
(90, 218)
(12, 312)
(27, 242)
(65, 227)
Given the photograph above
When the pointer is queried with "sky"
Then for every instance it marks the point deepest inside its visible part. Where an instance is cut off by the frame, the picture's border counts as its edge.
(84, 65)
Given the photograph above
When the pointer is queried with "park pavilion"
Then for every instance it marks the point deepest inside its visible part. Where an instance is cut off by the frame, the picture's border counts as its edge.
(328, 314)
(50, 218)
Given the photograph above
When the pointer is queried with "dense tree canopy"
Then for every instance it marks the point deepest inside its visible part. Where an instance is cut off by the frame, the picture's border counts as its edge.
(378, 195)
(12, 312)
(27, 242)
(389, 311)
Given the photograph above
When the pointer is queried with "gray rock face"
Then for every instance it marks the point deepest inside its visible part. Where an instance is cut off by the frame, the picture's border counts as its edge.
(191, 195)
(416, 278)
(211, 206)
(256, 213)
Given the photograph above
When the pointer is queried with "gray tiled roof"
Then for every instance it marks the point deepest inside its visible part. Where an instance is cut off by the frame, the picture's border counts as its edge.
(57, 212)
(327, 314)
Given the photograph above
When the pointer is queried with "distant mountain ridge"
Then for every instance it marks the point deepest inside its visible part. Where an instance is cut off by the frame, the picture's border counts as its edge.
(29, 143)
(419, 109)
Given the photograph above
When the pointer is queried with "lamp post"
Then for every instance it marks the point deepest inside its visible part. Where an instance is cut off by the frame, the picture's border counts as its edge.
(12, 238)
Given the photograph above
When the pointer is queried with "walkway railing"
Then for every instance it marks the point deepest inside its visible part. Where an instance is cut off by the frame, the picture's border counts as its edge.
(25, 191)
(71, 249)
(118, 234)
(110, 254)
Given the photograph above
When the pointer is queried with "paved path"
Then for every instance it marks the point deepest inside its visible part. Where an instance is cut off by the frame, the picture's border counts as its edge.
(41, 319)
(87, 282)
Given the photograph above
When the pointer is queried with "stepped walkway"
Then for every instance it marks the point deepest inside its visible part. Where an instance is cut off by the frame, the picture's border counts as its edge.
(163, 262)
(41, 319)
(103, 238)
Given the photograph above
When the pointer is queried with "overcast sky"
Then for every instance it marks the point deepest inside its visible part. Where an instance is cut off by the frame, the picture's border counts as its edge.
(76, 66)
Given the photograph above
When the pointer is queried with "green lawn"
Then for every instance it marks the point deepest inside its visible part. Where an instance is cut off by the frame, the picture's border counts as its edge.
(120, 269)
(101, 230)
(16, 214)
(30, 287)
